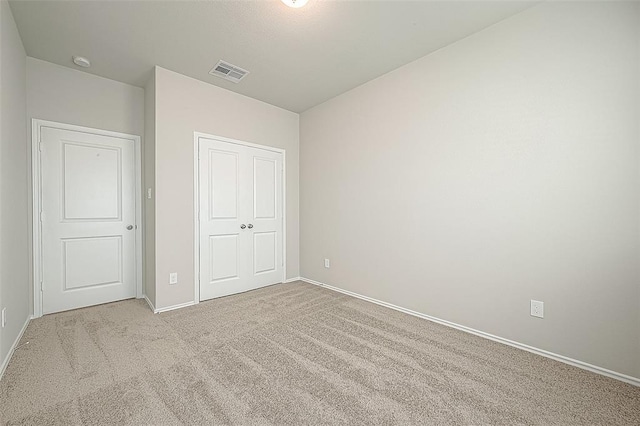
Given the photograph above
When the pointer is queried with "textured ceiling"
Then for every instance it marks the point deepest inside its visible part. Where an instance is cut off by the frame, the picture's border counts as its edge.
(297, 58)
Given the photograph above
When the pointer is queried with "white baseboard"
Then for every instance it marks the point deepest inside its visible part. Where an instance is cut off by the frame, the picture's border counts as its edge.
(574, 362)
(168, 308)
(5, 361)
(153, 308)
(171, 308)
(184, 305)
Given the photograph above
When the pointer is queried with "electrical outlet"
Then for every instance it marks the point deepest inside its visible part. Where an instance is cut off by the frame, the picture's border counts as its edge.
(4, 317)
(173, 278)
(537, 309)
(327, 264)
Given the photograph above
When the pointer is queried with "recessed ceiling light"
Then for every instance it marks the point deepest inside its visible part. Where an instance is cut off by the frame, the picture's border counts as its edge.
(295, 3)
(81, 62)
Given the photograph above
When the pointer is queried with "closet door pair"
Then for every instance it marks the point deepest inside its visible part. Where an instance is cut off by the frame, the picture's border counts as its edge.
(240, 217)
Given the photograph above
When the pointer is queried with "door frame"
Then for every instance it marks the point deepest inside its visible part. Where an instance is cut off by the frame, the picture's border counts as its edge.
(36, 130)
(196, 202)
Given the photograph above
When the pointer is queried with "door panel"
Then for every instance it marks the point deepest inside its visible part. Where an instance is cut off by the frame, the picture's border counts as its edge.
(87, 200)
(78, 252)
(92, 182)
(264, 183)
(223, 185)
(264, 252)
(240, 210)
(224, 257)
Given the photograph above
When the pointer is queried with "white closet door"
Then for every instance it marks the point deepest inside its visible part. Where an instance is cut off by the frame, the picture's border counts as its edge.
(265, 223)
(88, 219)
(223, 197)
(240, 202)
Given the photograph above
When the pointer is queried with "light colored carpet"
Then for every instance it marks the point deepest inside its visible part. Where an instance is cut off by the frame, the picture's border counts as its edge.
(289, 354)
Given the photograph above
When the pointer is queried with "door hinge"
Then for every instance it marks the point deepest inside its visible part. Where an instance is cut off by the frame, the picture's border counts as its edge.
(41, 287)
(40, 146)
(40, 215)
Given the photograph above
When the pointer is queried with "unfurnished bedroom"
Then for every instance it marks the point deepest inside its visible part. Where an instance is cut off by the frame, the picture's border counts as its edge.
(319, 212)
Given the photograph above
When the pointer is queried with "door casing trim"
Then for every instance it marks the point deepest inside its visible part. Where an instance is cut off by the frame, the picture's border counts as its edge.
(36, 186)
(196, 203)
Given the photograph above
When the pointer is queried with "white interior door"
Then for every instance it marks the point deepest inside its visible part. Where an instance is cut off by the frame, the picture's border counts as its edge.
(88, 219)
(241, 212)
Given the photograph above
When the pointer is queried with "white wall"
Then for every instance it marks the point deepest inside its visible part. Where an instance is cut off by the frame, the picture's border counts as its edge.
(502, 168)
(185, 105)
(149, 155)
(70, 96)
(14, 233)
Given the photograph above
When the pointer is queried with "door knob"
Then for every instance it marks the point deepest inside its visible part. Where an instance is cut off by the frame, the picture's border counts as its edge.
(130, 227)
(243, 226)
(250, 226)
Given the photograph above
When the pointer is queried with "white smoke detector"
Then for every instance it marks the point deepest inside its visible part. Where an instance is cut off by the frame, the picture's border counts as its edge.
(228, 72)
(81, 61)
(295, 3)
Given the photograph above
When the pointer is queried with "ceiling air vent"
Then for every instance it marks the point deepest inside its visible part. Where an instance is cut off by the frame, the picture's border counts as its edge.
(228, 72)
